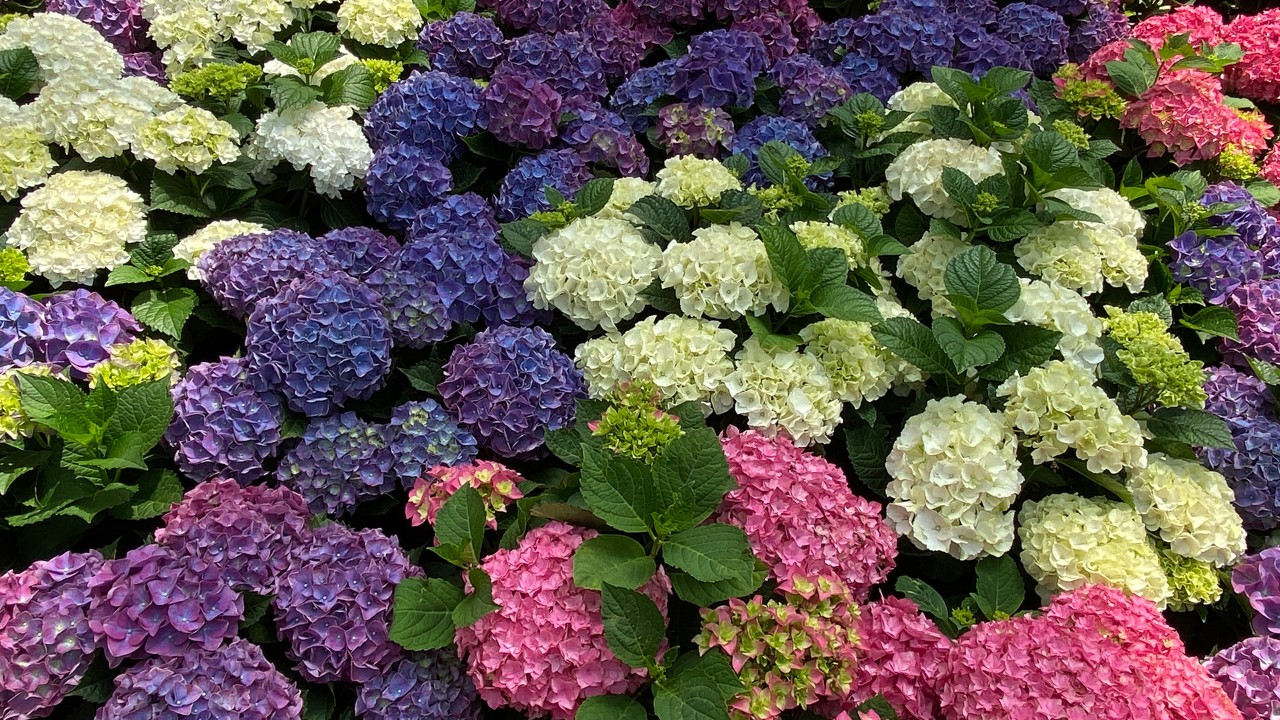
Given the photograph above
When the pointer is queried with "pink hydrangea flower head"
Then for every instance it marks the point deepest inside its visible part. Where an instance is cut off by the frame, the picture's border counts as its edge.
(803, 521)
(1184, 115)
(542, 652)
(902, 655)
(1257, 75)
(1271, 167)
(1095, 68)
(1202, 23)
(496, 483)
(1250, 673)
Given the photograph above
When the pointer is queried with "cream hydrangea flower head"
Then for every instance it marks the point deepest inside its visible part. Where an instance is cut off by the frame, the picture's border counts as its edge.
(829, 235)
(325, 140)
(1191, 507)
(1054, 307)
(1082, 256)
(25, 161)
(918, 97)
(626, 191)
(1069, 540)
(1115, 211)
(188, 30)
(100, 121)
(189, 138)
(77, 224)
(252, 22)
(191, 247)
(689, 181)
(723, 272)
(860, 368)
(955, 477)
(593, 270)
(925, 267)
(785, 392)
(386, 23)
(917, 172)
(65, 48)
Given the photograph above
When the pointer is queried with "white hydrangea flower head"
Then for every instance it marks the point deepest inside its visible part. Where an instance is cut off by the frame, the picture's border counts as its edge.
(593, 270)
(103, 121)
(1057, 407)
(191, 247)
(189, 138)
(687, 359)
(925, 267)
(1069, 540)
(252, 22)
(379, 22)
(955, 478)
(689, 181)
(917, 172)
(187, 30)
(65, 48)
(1064, 254)
(829, 235)
(1191, 507)
(918, 97)
(626, 191)
(78, 224)
(784, 392)
(1054, 307)
(1123, 264)
(25, 161)
(723, 272)
(860, 368)
(1111, 206)
(325, 140)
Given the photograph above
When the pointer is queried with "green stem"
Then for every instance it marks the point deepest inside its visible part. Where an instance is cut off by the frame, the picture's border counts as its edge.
(1111, 485)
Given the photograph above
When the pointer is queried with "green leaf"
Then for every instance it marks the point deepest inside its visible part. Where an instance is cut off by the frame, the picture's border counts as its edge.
(145, 409)
(982, 349)
(1000, 587)
(1215, 321)
(566, 444)
(1130, 78)
(424, 376)
(1193, 427)
(1154, 304)
(422, 618)
(352, 85)
(611, 707)
(787, 256)
(772, 158)
(282, 52)
(922, 594)
(1005, 80)
(691, 702)
(612, 559)
(661, 217)
(127, 275)
(1050, 152)
(1012, 224)
(593, 196)
(479, 603)
(711, 668)
(19, 72)
(158, 490)
(1026, 346)
(319, 46)
(976, 273)
(845, 303)
(174, 194)
(868, 448)
(461, 520)
(913, 342)
(156, 250)
(735, 206)
(692, 473)
(633, 625)
(827, 266)
(709, 593)
(711, 553)
(1264, 192)
(858, 218)
(618, 490)
(165, 311)
(45, 398)
(288, 92)
(881, 245)
(518, 237)
(769, 340)
(959, 187)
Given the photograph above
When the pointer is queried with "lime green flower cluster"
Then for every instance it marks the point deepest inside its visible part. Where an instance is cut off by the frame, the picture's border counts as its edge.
(775, 198)
(1073, 133)
(1157, 358)
(14, 422)
(986, 203)
(384, 72)
(1191, 582)
(1093, 98)
(1235, 164)
(875, 199)
(13, 265)
(6, 18)
(135, 363)
(216, 80)
(634, 426)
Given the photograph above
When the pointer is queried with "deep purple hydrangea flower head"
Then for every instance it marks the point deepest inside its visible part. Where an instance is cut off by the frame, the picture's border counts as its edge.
(334, 605)
(415, 311)
(1237, 397)
(1250, 673)
(601, 136)
(720, 69)
(240, 271)
(509, 386)
(523, 190)
(80, 327)
(323, 340)
(427, 686)
(1065, 8)
(1257, 308)
(1214, 265)
(987, 50)
(421, 435)
(249, 534)
(1103, 23)
(21, 329)
(669, 12)
(341, 461)
(685, 129)
(1249, 219)
(149, 65)
(1040, 33)
(521, 109)
(402, 179)
(546, 16)
(428, 109)
(465, 44)
(222, 427)
(359, 251)
(634, 96)
(773, 30)
(510, 304)
(1257, 577)
(119, 21)
(809, 89)
(868, 75)
(620, 47)
(904, 41)
(831, 42)
(563, 61)
(1253, 472)
(753, 136)
(233, 681)
(45, 642)
(152, 602)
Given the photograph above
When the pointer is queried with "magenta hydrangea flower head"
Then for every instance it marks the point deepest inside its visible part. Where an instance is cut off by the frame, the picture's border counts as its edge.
(221, 426)
(523, 190)
(773, 30)
(421, 435)
(685, 129)
(425, 686)
(1258, 579)
(232, 681)
(815, 550)
(546, 16)
(430, 110)
(465, 44)
(240, 271)
(1255, 76)
(1250, 673)
(603, 137)
(402, 180)
(341, 462)
(809, 88)
(1257, 308)
(543, 650)
(720, 69)
(153, 602)
(323, 340)
(249, 534)
(359, 251)
(1237, 397)
(509, 386)
(563, 61)
(45, 641)
(901, 657)
(119, 21)
(334, 605)
(79, 329)
(497, 484)
(21, 329)
(522, 109)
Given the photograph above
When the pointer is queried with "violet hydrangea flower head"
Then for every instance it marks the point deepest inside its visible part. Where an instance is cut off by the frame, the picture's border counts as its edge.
(563, 61)
(416, 313)
(1103, 23)
(323, 340)
(901, 656)
(1040, 33)
(634, 96)
(720, 69)
(1237, 397)
(428, 109)
(669, 12)
(904, 41)
(988, 50)
(119, 21)
(1257, 577)
(426, 686)
(523, 190)
(340, 462)
(620, 47)
(521, 109)
(465, 44)
(334, 605)
(753, 136)
(1249, 219)
(359, 251)
(467, 212)
(509, 386)
(462, 267)
(403, 179)
(773, 30)
(1257, 309)
(1250, 673)
(79, 329)
(509, 304)
(809, 89)
(1214, 265)
(868, 75)
(421, 435)
(603, 137)
(546, 16)
(831, 42)
(222, 426)
(841, 546)
(235, 680)
(242, 270)
(149, 65)
(543, 650)
(249, 534)
(1253, 472)
(685, 129)
(21, 329)
(45, 641)
(153, 602)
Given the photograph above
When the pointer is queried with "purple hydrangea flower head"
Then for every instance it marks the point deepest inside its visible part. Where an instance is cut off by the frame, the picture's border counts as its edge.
(633, 97)
(240, 271)
(833, 41)
(334, 605)
(249, 534)
(1065, 8)
(773, 30)
(323, 340)
(233, 681)
(80, 327)
(21, 329)
(603, 137)
(119, 21)
(1237, 397)
(152, 602)
(1103, 23)
(359, 251)
(744, 9)
(1253, 472)
(467, 212)
(462, 268)
(510, 304)
(415, 311)
(523, 190)
(720, 69)
(988, 50)
(422, 435)
(903, 41)
(427, 686)
(509, 386)
(563, 61)
(669, 12)
(546, 16)
(521, 109)
(685, 129)
(1257, 308)
(620, 47)
(809, 88)
(149, 65)
(1250, 674)
(868, 75)
(45, 642)
(1040, 33)
(340, 462)
(1214, 265)
(222, 427)
(1252, 223)
(428, 109)
(403, 179)
(753, 136)
(1257, 577)
(465, 44)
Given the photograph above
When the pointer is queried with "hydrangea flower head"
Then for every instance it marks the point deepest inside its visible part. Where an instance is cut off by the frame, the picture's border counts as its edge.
(402, 180)
(497, 484)
(753, 136)
(562, 60)
(1258, 579)
(784, 392)
(21, 329)
(430, 110)
(387, 23)
(1249, 219)
(464, 44)
(634, 425)
(359, 251)
(602, 136)
(80, 328)
(1039, 32)
(685, 129)
(340, 462)
(25, 162)
(1190, 507)
(14, 421)
(720, 69)
(1156, 358)
(1191, 582)
(523, 190)
(692, 182)
(323, 139)
(135, 363)
(548, 16)
(119, 21)
(773, 30)
(242, 270)
(189, 138)
(809, 89)
(1237, 397)
(723, 273)
(917, 173)
(634, 96)
(522, 109)
(1250, 674)
(1214, 265)
(1257, 308)
(901, 655)
(903, 40)
(859, 367)
(868, 75)
(1184, 115)
(192, 247)
(222, 427)
(429, 686)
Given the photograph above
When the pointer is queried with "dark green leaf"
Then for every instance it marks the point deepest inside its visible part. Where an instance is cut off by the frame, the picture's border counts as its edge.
(176, 195)
(913, 342)
(1215, 321)
(845, 303)
(288, 92)
(424, 375)
(352, 85)
(45, 398)
(1026, 346)
(922, 594)
(1264, 192)
(1005, 80)
(827, 266)
(1049, 151)
(692, 473)
(772, 158)
(633, 625)
(619, 490)
(712, 668)
(982, 349)
(18, 72)
(858, 218)
(691, 702)
(145, 409)
(1131, 79)
(1000, 587)
(1012, 224)
(518, 237)
(593, 196)
(127, 275)
(976, 273)
(868, 448)
(959, 187)
(1193, 427)
(705, 594)
(319, 46)
(477, 604)
(661, 217)
(711, 553)
(881, 245)
(787, 256)
(614, 560)
(165, 311)
(158, 490)
(611, 707)
(422, 618)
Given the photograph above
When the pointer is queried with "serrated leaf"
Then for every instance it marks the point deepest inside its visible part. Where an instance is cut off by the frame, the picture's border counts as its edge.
(692, 473)
(288, 92)
(146, 409)
(613, 560)
(352, 85)
(461, 520)
(1214, 321)
(174, 194)
(422, 618)
(787, 256)
(518, 237)
(158, 491)
(858, 218)
(1129, 78)
(976, 273)
(691, 702)
(19, 72)
(45, 398)
(959, 187)
(772, 159)
(424, 376)
(827, 266)
(982, 349)
(845, 303)
(633, 625)
(127, 275)
(166, 310)
(711, 553)
(319, 46)
(154, 251)
(913, 342)
(618, 490)
(478, 603)
(593, 196)
(1193, 427)
(1264, 192)
(1026, 347)
(882, 245)
(1000, 587)
(923, 595)
(1012, 224)
(661, 217)
(711, 668)
(611, 707)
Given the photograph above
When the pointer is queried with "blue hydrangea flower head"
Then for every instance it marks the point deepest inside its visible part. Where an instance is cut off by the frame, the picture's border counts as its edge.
(523, 189)
(753, 136)
(415, 311)
(402, 179)
(340, 462)
(904, 41)
(1065, 8)
(427, 686)
(634, 96)
(421, 435)
(462, 268)
(428, 109)
(521, 109)
(79, 329)
(21, 329)
(831, 42)
(720, 69)
(809, 88)
(359, 251)
(1040, 33)
(240, 271)
(985, 50)
(563, 61)
(1251, 222)
(467, 212)
(510, 304)
(1253, 472)
(465, 44)
(669, 12)
(868, 75)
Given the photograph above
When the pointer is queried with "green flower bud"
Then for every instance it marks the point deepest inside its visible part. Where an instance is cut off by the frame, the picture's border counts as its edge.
(1156, 358)
(135, 363)
(384, 72)
(13, 265)
(216, 80)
